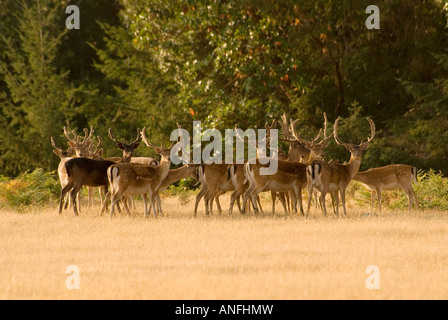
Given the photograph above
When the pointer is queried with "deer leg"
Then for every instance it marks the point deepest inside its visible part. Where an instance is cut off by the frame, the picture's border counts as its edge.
(335, 202)
(235, 196)
(372, 199)
(159, 204)
(322, 200)
(114, 201)
(90, 193)
(247, 195)
(153, 203)
(379, 196)
(74, 193)
(105, 201)
(64, 192)
(124, 199)
(145, 201)
(298, 198)
(342, 191)
(282, 198)
(274, 198)
(199, 196)
(310, 197)
(218, 205)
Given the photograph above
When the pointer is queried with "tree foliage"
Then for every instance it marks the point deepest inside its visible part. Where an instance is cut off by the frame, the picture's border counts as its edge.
(151, 63)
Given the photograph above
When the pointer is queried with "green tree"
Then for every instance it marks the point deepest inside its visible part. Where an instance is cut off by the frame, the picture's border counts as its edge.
(38, 94)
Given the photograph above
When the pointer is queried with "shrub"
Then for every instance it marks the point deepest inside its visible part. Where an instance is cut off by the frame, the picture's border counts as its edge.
(31, 189)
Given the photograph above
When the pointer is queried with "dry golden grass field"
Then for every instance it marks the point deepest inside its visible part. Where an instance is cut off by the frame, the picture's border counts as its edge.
(223, 257)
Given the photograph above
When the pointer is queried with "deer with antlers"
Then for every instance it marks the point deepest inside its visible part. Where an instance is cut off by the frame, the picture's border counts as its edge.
(313, 149)
(236, 174)
(391, 177)
(79, 147)
(290, 176)
(332, 177)
(137, 179)
(128, 151)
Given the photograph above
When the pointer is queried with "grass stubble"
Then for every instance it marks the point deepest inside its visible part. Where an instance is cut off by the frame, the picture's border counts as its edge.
(223, 257)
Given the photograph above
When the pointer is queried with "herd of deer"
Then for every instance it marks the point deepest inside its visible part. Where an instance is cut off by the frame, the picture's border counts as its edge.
(303, 167)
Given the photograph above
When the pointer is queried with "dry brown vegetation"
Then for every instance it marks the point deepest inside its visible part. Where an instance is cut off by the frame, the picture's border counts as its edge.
(223, 257)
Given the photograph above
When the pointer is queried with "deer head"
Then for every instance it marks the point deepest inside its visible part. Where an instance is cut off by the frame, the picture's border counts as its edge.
(80, 144)
(355, 150)
(128, 149)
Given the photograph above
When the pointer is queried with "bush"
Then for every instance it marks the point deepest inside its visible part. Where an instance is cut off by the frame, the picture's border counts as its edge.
(31, 189)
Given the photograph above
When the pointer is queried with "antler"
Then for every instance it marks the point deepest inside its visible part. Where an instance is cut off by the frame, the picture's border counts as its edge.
(112, 137)
(90, 137)
(285, 129)
(54, 145)
(145, 140)
(138, 137)
(314, 141)
(372, 134)
(94, 152)
(362, 144)
(67, 135)
(325, 138)
(245, 141)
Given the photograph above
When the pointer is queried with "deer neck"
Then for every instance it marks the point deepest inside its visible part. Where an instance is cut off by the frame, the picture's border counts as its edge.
(176, 174)
(361, 177)
(353, 166)
(164, 168)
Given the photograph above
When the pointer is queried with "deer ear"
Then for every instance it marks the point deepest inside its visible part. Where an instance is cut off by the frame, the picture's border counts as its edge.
(72, 144)
(57, 152)
(120, 145)
(100, 153)
(158, 149)
(135, 145)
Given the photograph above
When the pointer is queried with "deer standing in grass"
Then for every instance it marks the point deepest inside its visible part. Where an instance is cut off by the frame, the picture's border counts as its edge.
(83, 171)
(137, 179)
(64, 155)
(290, 176)
(313, 149)
(128, 156)
(391, 177)
(332, 177)
(79, 147)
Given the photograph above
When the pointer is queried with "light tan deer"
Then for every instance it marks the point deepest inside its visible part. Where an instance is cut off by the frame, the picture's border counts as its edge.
(313, 149)
(332, 177)
(214, 182)
(290, 176)
(391, 177)
(236, 173)
(174, 175)
(64, 155)
(137, 179)
(80, 146)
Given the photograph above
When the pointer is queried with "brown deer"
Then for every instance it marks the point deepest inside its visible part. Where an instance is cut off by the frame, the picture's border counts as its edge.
(332, 177)
(391, 177)
(137, 179)
(83, 171)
